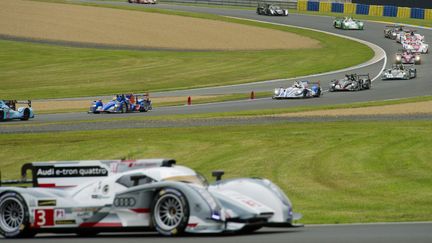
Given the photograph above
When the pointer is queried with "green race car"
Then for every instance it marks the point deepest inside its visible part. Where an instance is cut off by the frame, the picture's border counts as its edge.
(347, 23)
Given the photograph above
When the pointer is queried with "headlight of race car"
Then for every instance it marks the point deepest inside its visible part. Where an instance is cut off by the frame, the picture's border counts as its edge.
(398, 58)
(280, 194)
(417, 58)
(214, 206)
(276, 91)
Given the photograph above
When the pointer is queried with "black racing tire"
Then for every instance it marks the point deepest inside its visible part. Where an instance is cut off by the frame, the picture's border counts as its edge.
(368, 84)
(124, 108)
(304, 93)
(26, 114)
(249, 229)
(14, 216)
(359, 86)
(170, 212)
(87, 233)
(1, 116)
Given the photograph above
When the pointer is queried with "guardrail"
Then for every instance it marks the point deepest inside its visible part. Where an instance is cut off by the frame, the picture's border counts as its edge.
(364, 9)
(290, 4)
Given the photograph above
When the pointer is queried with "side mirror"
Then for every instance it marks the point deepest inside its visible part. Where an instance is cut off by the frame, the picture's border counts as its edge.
(218, 174)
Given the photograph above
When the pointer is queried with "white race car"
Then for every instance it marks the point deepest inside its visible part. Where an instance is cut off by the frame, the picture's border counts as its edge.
(408, 35)
(88, 197)
(416, 46)
(300, 89)
(399, 71)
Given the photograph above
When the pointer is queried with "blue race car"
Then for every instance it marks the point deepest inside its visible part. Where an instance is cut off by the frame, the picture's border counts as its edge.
(122, 104)
(9, 111)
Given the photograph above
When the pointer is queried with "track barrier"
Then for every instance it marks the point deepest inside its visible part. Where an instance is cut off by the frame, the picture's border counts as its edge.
(364, 9)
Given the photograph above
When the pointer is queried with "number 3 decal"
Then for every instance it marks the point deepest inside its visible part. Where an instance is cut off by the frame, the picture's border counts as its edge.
(44, 217)
(40, 217)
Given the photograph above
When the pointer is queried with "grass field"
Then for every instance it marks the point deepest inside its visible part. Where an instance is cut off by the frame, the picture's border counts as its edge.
(31, 71)
(359, 172)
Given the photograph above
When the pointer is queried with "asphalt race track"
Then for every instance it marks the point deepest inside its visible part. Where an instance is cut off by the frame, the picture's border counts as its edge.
(356, 233)
(373, 33)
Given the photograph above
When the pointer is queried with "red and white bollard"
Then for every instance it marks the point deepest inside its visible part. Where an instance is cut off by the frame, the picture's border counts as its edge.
(252, 95)
(189, 101)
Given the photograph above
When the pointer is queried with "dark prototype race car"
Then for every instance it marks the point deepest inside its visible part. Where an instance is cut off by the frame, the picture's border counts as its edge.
(270, 9)
(392, 31)
(351, 82)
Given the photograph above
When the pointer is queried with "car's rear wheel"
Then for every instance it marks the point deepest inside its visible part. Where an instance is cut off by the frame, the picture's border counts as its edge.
(124, 108)
(14, 216)
(1, 116)
(26, 114)
(170, 212)
(368, 84)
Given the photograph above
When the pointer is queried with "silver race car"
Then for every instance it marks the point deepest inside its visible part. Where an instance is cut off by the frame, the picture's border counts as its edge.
(300, 89)
(271, 9)
(351, 82)
(392, 31)
(89, 197)
(399, 71)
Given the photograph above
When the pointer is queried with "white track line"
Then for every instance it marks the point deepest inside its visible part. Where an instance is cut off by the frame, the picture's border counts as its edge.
(379, 55)
(379, 52)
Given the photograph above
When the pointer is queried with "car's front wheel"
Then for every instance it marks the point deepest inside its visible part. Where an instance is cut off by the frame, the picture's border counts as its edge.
(170, 212)
(14, 216)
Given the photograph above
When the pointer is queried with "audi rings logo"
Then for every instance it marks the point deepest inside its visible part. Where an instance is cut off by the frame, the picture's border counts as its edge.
(124, 202)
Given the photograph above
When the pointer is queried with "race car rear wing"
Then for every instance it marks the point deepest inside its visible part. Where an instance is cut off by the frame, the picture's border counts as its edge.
(64, 174)
(364, 75)
(12, 103)
(395, 26)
